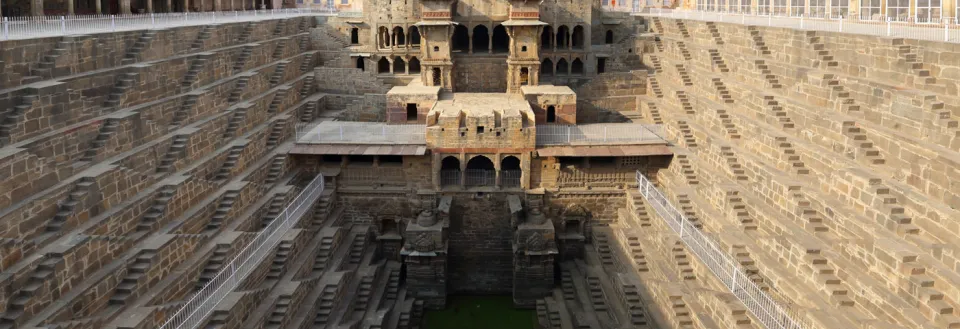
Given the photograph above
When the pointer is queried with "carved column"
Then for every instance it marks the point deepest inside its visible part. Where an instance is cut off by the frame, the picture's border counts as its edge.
(425, 251)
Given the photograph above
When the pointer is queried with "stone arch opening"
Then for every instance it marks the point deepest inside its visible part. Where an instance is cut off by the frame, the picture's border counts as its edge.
(360, 63)
(399, 37)
(577, 38)
(546, 67)
(501, 42)
(562, 33)
(576, 67)
(399, 65)
(383, 65)
(461, 39)
(601, 65)
(450, 171)
(354, 36)
(524, 76)
(608, 39)
(437, 81)
(562, 68)
(414, 65)
(480, 172)
(551, 114)
(481, 38)
(383, 37)
(510, 171)
(414, 34)
(546, 36)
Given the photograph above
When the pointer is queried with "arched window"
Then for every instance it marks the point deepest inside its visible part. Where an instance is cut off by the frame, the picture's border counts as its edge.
(546, 68)
(501, 42)
(481, 39)
(461, 39)
(546, 37)
(383, 36)
(398, 35)
(480, 172)
(510, 171)
(383, 65)
(577, 37)
(360, 63)
(609, 38)
(450, 171)
(414, 66)
(354, 36)
(399, 65)
(414, 35)
(562, 68)
(551, 114)
(576, 67)
(562, 39)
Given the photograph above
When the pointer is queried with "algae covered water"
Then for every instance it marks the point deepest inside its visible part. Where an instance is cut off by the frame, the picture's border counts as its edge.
(480, 312)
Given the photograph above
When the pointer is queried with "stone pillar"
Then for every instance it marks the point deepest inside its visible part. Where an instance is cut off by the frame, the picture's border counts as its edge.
(393, 39)
(70, 7)
(425, 254)
(36, 8)
(470, 43)
(490, 42)
(124, 6)
(533, 259)
(99, 10)
(390, 60)
(149, 6)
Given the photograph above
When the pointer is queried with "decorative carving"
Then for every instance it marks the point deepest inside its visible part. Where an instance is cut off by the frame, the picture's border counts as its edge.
(427, 218)
(535, 242)
(423, 243)
(575, 210)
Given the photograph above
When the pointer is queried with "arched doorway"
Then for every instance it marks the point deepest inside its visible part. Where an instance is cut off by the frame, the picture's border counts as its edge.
(510, 172)
(414, 66)
(399, 65)
(450, 171)
(501, 42)
(480, 172)
(562, 33)
(546, 37)
(398, 34)
(524, 76)
(354, 36)
(383, 37)
(437, 80)
(551, 114)
(383, 65)
(576, 67)
(461, 39)
(360, 63)
(609, 38)
(546, 68)
(562, 67)
(481, 39)
(414, 35)
(577, 37)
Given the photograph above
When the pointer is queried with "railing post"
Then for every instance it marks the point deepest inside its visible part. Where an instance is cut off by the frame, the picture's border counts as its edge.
(341, 132)
(801, 22)
(770, 19)
(63, 25)
(841, 23)
(113, 23)
(889, 26)
(568, 134)
(946, 30)
(6, 28)
(153, 20)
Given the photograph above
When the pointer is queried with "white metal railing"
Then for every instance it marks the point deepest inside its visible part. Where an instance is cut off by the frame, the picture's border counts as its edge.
(601, 133)
(27, 27)
(921, 27)
(764, 308)
(348, 132)
(193, 313)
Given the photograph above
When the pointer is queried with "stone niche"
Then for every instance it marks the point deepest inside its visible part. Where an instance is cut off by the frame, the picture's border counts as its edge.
(410, 104)
(551, 104)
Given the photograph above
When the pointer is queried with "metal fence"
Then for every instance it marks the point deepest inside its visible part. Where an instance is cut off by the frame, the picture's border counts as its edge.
(450, 178)
(601, 133)
(28, 27)
(348, 132)
(480, 177)
(193, 313)
(921, 27)
(510, 178)
(764, 308)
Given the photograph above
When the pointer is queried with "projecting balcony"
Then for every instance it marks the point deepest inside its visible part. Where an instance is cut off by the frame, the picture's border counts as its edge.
(599, 134)
(360, 138)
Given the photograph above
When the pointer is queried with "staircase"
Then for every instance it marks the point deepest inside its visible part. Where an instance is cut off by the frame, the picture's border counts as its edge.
(12, 116)
(280, 27)
(767, 74)
(654, 113)
(681, 313)
(226, 170)
(635, 309)
(277, 204)
(218, 320)
(279, 260)
(363, 294)
(247, 32)
(279, 312)
(307, 63)
(238, 89)
(657, 66)
(393, 286)
(107, 130)
(177, 148)
(18, 302)
(655, 87)
(242, 58)
(48, 62)
(277, 75)
(684, 75)
(812, 220)
(721, 90)
(912, 60)
(128, 285)
(304, 43)
(125, 81)
(758, 43)
(223, 210)
(277, 101)
(213, 266)
(791, 157)
(596, 294)
(683, 28)
(683, 261)
(748, 266)
(325, 305)
(712, 27)
(897, 218)
(236, 121)
(686, 207)
(322, 210)
(68, 207)
(276, 133)
(735, 168)
(602, 244)
(323, 255)
(357, 247)
(845, 103)
(781, 116)
(684, 51)
(278, 50)
(826, 276)
(864, 148)
(825, 60)
(740, 212)
(201, 37)
(659, 43)
(658, 25)
(687, 170)
(307, 88)
(717, 60)
(636, 252)
(566, 286)
(151, 219)
(276, 169)
(182, 113)
(190, 77)
(728, 126)
(133, 54)
(685, 102)
(687, 133)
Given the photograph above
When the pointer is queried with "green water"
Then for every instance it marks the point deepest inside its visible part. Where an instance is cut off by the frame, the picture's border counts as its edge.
(480, 312)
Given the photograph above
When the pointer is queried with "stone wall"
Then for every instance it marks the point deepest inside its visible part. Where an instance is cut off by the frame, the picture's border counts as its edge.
(480, 257)
(476, 74)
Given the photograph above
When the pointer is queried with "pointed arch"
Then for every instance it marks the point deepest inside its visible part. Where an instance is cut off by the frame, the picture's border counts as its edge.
(577, 38)
(546, 37)
(383, 37)
(399, 65)
(562, 36)
(414, 65)
(481, 38)
(546, 67)
(414, 34)
(562, 68)
(461, 39)
(501, 41)
(383, 65)
(399, 36)
(608, 39)
(576, 67)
